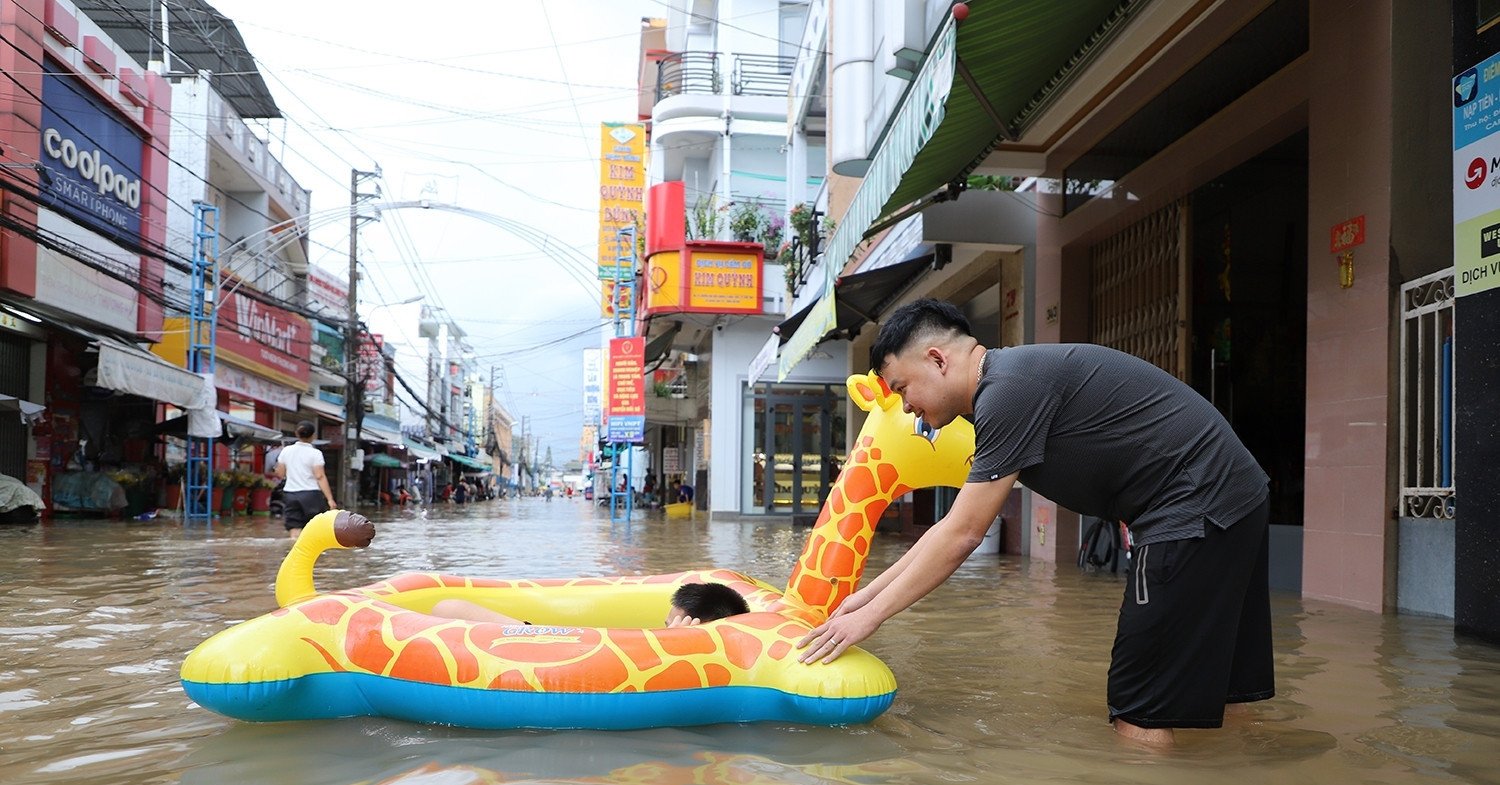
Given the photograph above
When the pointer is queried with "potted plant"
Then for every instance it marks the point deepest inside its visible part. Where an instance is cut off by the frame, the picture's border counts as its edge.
(260, 495)
(243, 482)
(223, 497)
(745, 221)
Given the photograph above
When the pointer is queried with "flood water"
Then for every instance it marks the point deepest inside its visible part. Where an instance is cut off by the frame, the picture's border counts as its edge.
(1001, 671)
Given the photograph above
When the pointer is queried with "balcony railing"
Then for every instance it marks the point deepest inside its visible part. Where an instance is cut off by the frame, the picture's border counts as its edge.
(702, 73)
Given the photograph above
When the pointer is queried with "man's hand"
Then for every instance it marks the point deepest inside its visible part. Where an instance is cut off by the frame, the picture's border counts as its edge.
(332, 505)
(832, 638)
(683, 621)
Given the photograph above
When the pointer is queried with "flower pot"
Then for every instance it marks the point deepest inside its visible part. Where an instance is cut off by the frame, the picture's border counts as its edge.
(174, 496)
(260, 501)
(241, 500)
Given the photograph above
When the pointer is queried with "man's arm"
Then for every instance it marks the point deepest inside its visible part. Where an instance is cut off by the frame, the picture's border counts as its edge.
(280, 469)
(322, 479)
(946, 546)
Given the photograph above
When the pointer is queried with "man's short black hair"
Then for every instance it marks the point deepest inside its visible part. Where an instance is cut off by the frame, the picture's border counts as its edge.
(911, 320)
(709, 601)
(305, 429)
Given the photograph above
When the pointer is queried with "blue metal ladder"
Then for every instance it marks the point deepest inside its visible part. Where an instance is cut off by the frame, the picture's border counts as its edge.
(198, 480)
(625, 261)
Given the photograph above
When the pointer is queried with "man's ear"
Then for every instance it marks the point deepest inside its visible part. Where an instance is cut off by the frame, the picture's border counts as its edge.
(938, 357)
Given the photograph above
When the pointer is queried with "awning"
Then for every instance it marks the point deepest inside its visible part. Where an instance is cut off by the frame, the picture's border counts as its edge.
(382, 461)
(861, 297)
(29, 412)
(469, 463)
(230, 427)
(130, 369)
(312, 403)
(979, 84)
(421, 451)
(659, 345)
(381, 436)
(1012, 58)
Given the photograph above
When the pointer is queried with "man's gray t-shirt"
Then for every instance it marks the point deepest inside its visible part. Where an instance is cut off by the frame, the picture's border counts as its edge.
(1110, 435)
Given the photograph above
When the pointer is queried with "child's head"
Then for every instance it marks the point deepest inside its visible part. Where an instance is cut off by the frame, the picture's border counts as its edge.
(706, 602)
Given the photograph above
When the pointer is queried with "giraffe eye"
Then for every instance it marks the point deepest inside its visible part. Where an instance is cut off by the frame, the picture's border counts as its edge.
(926, 431)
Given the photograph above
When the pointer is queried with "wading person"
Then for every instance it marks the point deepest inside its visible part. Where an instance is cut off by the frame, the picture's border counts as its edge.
(1103, 434)
(306, 493)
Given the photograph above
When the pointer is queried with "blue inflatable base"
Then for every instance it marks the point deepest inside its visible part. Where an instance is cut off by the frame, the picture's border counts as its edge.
(329, 695)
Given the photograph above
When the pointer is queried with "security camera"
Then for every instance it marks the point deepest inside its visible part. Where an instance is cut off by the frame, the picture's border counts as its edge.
(719, 327)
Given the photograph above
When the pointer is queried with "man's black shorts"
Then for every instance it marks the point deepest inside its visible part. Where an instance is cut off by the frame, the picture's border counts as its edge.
(1195, 629)
(299, 507)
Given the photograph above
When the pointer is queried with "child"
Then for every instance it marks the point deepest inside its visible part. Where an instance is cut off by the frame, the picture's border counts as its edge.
(692, 603)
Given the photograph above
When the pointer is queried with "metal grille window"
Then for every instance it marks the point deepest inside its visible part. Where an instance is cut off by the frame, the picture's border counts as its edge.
(1426, 379)
(1139, 285)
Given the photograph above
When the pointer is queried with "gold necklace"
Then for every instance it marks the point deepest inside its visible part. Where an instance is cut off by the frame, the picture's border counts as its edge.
(979, 377)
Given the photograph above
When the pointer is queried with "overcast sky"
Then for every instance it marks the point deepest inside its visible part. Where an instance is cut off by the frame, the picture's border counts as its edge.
(492, 106)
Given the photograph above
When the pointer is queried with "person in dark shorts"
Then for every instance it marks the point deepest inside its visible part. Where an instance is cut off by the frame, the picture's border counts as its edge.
(1109, 435)
(306, 492)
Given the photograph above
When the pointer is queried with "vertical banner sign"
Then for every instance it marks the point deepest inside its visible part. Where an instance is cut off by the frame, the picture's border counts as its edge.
(1476, 181)
(622, 187)
(593, 387)
(626, 398)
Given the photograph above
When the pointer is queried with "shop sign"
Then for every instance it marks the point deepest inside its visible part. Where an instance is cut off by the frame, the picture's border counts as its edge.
(328, 292)
(1476, 178)
(371, 363)
(763, 359)
(622, 189)
(73, 287)
(724, 281)
(248, 385)
(592, 387)
(93, 159)
(626, 395)
(706, 277)
(264, 339)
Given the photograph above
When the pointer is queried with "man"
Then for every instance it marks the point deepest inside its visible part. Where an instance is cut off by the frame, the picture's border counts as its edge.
(692, 604)
(1103, 434)
(306, 490)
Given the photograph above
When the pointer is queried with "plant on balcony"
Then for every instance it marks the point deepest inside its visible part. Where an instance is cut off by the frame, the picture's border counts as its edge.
(802, 225)
(771, 233)
(706, 218)
(746, 220)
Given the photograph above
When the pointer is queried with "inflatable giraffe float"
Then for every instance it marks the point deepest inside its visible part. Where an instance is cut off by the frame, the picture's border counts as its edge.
(598, 656)
(894, 454)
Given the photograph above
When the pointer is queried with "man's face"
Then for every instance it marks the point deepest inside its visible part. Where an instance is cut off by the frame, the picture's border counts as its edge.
(923, 377)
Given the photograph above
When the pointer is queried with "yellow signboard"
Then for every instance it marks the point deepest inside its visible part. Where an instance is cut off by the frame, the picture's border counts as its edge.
(663, 282)
(724, 281)
(622, 188)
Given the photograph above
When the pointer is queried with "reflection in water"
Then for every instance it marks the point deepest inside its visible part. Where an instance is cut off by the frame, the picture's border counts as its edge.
(1002, 671)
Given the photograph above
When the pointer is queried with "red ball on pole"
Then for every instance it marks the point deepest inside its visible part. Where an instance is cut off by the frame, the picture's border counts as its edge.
(960, 11)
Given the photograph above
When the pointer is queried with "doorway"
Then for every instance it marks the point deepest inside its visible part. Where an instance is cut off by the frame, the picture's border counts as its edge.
(796, 448)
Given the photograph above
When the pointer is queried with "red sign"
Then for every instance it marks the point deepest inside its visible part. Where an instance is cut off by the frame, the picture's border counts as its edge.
(1347, 235)
(625, 388)
(264, 339)
(371, 365)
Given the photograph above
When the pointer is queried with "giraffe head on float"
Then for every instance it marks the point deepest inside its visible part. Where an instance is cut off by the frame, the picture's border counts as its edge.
(894, 453)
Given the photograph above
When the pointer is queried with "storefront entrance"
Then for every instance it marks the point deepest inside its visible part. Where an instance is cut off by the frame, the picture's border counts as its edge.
(796, 446)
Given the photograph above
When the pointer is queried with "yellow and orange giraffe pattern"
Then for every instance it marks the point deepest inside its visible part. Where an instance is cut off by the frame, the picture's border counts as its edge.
(592, 635)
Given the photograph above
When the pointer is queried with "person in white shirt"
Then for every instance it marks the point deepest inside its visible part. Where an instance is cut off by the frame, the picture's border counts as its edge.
(306, 492)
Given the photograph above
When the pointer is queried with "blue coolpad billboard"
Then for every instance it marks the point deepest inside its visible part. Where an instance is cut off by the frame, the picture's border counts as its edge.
(93, 159)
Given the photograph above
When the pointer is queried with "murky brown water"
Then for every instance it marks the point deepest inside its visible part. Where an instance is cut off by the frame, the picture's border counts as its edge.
(1002, 672)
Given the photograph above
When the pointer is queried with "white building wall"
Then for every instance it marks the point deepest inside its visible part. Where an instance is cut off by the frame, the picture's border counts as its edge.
(189, 148)
(733, 349)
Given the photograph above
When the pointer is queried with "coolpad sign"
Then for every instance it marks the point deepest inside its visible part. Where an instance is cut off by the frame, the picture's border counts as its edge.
(93, 158)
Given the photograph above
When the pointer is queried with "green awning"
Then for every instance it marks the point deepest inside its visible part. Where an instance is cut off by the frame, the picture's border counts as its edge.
(382, 461)
(1019, 53)
(421, 451)
(469, 463)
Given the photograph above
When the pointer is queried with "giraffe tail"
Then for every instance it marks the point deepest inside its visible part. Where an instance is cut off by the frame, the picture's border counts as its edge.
(328, 530)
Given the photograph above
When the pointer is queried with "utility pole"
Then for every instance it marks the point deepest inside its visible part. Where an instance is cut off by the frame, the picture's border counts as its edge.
(354, 388)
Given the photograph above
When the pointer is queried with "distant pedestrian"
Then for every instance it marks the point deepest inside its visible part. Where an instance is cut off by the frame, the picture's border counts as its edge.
(306, 493)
